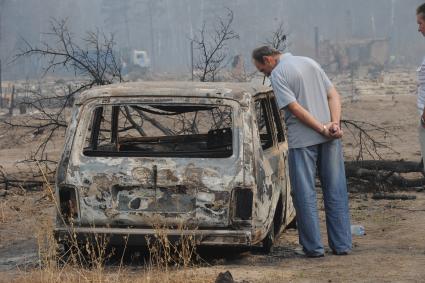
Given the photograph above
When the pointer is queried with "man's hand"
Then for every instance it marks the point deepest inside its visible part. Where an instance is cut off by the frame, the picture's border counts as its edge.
(423, 120)
(326, 131)
(333, 131)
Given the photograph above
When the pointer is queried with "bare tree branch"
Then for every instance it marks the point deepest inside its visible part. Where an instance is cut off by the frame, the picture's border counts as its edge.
(278, 40)
(212, 47)
(366, 143)
(94, 61)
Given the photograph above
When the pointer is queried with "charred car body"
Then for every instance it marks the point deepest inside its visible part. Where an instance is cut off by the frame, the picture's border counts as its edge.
(210, 156)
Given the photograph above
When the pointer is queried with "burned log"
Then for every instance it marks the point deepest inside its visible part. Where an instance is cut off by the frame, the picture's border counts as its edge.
(385, 172)
(385, 196)
(7, 182)
(28, 185)
(400, 166)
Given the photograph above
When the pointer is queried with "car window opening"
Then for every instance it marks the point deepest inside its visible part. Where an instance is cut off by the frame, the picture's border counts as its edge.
(263, 123)
(160, 130)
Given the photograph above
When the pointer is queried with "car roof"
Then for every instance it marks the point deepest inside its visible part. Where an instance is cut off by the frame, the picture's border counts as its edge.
(234, 91)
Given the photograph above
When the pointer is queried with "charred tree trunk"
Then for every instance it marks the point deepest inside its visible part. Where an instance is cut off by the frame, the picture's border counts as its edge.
(12, 101)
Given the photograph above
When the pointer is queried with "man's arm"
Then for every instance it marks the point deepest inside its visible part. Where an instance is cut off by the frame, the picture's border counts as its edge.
(423, 119)
(334, 102)
(306, 118)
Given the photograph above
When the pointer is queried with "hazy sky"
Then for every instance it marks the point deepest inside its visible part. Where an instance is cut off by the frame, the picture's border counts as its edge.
(164, 27)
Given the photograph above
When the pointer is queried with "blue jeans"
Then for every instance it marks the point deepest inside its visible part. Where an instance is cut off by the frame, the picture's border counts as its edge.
(328, 159)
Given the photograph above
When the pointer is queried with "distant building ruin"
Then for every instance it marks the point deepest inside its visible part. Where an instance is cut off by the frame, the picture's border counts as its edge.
(362, 56)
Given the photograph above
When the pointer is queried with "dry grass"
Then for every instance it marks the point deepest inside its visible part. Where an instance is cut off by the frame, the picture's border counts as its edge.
(86, 262)
(168, 262)
(164, 253)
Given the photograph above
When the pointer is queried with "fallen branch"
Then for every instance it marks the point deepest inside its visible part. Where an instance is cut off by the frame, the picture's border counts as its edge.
(364, 137)
(385, 196)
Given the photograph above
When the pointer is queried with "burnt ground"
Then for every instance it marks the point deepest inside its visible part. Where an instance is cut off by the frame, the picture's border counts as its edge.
(393, 249)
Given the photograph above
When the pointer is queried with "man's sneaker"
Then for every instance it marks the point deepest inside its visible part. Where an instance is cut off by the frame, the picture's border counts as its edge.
(315, 255)
(310, 255)
(299, 251)
(341, 253)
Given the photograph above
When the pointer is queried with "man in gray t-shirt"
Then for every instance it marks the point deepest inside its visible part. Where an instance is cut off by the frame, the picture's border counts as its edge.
(301, 80)
(312, 114)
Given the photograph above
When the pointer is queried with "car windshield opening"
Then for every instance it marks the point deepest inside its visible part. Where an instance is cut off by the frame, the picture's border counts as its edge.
(203, 131)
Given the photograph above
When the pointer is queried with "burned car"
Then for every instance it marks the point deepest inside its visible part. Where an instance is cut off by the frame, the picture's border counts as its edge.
(209, 155)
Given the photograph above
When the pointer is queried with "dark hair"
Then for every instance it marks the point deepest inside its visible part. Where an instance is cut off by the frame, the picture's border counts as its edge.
(259, 53)
(421, 10)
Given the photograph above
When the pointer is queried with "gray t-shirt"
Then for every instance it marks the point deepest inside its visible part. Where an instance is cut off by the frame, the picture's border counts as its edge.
(302, 79)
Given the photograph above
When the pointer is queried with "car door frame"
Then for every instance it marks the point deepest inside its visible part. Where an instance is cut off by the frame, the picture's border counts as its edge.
(271, 158)
(289, 209)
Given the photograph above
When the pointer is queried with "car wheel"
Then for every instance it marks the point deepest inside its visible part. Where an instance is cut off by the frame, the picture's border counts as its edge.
(268, 241)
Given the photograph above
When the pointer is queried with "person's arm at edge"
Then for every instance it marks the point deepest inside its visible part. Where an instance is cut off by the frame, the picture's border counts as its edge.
(423, 119)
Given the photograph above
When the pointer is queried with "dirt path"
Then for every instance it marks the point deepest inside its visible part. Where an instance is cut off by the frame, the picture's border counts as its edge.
(393, 249)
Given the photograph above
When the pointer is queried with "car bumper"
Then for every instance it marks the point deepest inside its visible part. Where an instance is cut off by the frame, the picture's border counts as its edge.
(137, 236)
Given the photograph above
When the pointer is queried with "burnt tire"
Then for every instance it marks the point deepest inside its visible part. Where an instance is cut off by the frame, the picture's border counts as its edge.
(268, 241)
